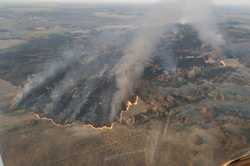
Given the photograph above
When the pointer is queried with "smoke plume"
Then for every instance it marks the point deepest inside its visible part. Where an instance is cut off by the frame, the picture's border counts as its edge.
(201, 15)
(51, 70)
(139, 53)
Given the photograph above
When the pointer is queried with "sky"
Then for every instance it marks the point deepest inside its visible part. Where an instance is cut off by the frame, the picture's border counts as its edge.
(218, 2)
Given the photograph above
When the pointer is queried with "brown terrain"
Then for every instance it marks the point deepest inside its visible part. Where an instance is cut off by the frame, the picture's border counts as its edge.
(145, 135)
(196, 114)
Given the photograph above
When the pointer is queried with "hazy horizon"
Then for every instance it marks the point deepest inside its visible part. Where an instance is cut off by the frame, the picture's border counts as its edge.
(217, 2)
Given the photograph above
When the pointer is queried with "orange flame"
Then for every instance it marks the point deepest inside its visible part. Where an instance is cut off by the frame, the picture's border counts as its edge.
(51, 121)
(100, 128)
(222, 63)
(131, 104)
(70, 125)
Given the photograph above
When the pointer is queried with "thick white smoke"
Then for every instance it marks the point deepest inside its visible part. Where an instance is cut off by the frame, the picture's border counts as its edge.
(138, 54)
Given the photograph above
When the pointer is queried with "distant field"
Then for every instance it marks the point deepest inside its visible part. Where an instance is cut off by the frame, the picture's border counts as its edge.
(113, 15)
(4, 44)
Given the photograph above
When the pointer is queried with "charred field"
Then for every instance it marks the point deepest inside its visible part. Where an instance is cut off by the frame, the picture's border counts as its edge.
(58, 74)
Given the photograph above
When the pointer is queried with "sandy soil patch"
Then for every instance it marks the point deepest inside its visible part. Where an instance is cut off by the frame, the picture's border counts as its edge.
(4, 44)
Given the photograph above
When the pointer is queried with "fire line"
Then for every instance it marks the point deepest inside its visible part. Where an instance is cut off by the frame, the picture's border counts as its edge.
(129, 105)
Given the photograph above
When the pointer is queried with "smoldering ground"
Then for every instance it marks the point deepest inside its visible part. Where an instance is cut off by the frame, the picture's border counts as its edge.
(139, 53)
(74, 87)
(93, 85)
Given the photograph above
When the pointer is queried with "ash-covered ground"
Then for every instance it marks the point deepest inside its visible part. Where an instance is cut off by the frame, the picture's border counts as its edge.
(193, 97)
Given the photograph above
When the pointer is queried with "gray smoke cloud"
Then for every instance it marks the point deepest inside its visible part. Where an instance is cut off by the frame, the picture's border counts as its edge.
(139, 53)
(201, 15)
(68, 57)
(51, 70)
